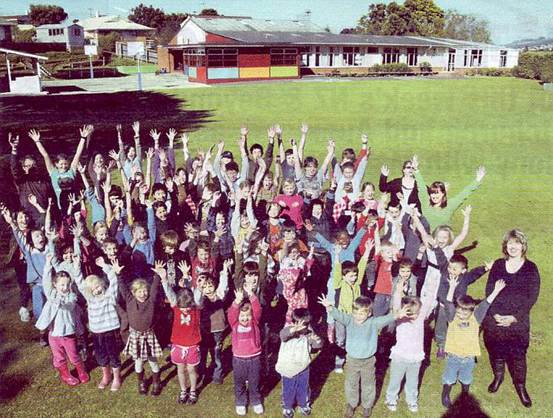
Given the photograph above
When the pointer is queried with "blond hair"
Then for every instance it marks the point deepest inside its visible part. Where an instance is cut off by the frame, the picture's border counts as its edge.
(92, 281)
(138, 284)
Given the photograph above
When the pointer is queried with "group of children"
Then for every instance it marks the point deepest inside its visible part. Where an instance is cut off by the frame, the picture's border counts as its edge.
(181, 256)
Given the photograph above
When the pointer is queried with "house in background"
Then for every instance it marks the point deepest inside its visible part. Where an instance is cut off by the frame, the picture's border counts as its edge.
(102, 25)
(218, 49)
(6, 28)
(70, 34)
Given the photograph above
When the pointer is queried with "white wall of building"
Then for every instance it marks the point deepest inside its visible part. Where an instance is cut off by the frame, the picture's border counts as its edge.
(191, 33)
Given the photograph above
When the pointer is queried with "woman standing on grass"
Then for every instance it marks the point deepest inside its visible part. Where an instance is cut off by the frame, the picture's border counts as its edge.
(507, 324)
(438, 209)
(406, 185)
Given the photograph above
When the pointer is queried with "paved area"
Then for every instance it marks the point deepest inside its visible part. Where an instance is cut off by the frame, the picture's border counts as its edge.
(115, 84)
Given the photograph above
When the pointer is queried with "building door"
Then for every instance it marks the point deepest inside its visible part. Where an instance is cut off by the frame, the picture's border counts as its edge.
(451, 60)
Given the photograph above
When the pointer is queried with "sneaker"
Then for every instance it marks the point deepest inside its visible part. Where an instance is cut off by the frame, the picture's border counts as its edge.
(183, 397)
(241, 410)
(339, 370)
(440, 354)
(258, 409)
(24, 314)
(367, 412)
(413, 408)
(218, 381)
(305, 411)
(391, 406)
(350, 411)
(287, 413)
(83, 354)
(192, 398)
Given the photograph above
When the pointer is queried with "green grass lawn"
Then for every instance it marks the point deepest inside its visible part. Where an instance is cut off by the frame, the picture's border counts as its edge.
(453, 125)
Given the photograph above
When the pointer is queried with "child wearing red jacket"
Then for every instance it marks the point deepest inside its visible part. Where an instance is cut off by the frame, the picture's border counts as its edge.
(185, 336)
(244, 316)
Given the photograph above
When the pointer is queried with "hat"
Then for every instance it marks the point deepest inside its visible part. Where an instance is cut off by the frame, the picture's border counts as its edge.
(227, 154)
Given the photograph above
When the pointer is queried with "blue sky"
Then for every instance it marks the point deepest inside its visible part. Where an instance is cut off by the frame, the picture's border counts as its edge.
(509, 19)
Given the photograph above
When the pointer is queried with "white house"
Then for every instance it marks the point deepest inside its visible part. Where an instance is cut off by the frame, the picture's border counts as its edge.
(72, 35)
(102, 25)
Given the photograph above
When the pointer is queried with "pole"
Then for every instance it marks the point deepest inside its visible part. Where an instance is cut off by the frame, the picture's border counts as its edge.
(91, 69)
(139, 75)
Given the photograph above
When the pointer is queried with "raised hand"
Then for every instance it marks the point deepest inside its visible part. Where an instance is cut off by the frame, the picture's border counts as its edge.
(404, 312)
(304, 128)
(114, 155)
(136, 128)
(278, 130)
(415, 162)
(453, 281)
(171, 134)
(32, 199)
(184, 268)
(323, 300)
(159, 269)
(499, 286)
(466, 211)
(311, 250)
(384, 170)
(81, 168)
(331, 146)
(184, 138)
(271, 133)
(480, 173)
(86, 130)
(150, 153)
(364, 139)
(119, 129)
(244, 131)
(227, 264)
(155, 134)
(117, 268)
(13, 141)
(34, 135)
(238, 296)
(6, 214)
(76, 230)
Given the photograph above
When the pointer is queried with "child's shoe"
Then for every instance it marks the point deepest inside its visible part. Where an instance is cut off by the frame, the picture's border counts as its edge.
(305, 410)
(258, 409)
(339, 370)
(183, 397)
(391, 406)
(24, 314)
(413, 408)
(66, 377)
(446, 390)
(440, 354)
(142, 389)
(192, 398)
(156, 384)
(81, 371)
(367, 412)
(240, 410)
(350, 411)
(116, 383)
(106, 377)
(287, 413)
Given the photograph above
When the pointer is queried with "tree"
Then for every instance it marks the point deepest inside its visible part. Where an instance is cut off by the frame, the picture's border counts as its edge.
(466, 27)
(23, 35)
(150, 16)
(107, 42)
(414, 17)
(42, 14)
(209, 12)
(170, 27)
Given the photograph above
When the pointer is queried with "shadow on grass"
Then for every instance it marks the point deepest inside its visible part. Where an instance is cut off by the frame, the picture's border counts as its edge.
(320, 369)
(465, 406)
(59, 118)
(12, 386)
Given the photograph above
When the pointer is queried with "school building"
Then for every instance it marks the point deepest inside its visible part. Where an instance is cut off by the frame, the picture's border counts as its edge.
(215, 49)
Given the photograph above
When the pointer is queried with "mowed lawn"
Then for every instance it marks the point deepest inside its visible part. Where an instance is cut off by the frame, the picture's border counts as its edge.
(453, 125)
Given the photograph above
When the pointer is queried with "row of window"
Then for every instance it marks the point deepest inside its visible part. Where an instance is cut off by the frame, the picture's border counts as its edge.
(351, 56)
(60, 31)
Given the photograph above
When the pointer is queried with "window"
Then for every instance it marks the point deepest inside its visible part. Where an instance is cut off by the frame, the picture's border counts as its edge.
(476, 58)
(351, 56)
(194, 57)
(372, 50)
(55, 32)
(284, 56)
(224, 57)
(412, 57)
(76, 32)
(317, 56)
(390, 55)
(305, 54)
(503, 58)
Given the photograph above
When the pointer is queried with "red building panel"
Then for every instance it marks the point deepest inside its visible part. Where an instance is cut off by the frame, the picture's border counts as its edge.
(254, 57)
(201, 75)
(217, 39)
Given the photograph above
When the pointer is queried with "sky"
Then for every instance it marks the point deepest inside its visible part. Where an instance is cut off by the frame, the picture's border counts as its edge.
(510, 20)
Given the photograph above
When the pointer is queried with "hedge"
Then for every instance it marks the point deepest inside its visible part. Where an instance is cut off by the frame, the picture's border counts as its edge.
(535, 65)
(490, 72)
(396, 67)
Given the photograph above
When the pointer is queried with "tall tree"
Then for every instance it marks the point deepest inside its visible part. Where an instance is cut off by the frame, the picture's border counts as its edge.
(414, 17)
(150, 16)
(466, 27)
(44, 14)
(209, 12)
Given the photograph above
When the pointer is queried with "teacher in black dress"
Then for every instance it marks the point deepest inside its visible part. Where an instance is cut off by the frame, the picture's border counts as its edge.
(507, 323)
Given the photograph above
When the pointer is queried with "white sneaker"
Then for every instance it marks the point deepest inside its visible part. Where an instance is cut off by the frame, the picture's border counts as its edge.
(24, 314)
(258, 409)
(241, 410)
(339, 370)
(391, 406)
(413, 408)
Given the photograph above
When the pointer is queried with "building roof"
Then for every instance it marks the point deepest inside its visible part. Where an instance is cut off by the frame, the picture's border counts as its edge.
(317, 38)
(113, 23)
(216, 24)
(4, 22)
(58, 25)
(459, 42)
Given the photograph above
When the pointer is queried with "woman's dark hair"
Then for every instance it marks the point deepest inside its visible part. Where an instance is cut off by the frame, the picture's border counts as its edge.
(185, 298)
(438, 186)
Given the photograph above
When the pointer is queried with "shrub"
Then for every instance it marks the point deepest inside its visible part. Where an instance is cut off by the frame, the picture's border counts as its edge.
(535, 65)
(396, 67)
(490, 72)
(425, 67)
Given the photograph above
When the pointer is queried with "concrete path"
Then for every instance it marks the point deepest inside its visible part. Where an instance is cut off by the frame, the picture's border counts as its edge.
(115, 84)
